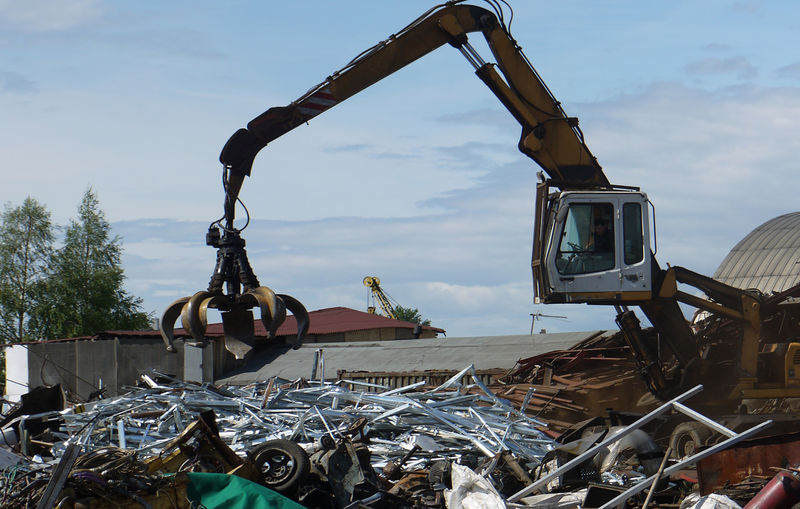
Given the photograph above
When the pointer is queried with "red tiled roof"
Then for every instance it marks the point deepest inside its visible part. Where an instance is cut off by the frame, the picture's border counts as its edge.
(323, 321)
(331, 321)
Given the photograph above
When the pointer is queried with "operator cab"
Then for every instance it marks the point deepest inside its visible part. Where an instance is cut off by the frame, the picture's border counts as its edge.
(595, 247)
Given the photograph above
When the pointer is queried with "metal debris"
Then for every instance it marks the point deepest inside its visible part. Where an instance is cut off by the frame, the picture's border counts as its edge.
(406, 429)
(331, 446)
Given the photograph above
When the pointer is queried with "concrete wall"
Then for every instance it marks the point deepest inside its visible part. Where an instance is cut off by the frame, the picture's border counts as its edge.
(139, 355)
(84, 367)
(54, 363)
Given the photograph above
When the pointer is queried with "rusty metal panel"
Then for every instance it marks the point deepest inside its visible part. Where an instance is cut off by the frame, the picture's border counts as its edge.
(749, 458)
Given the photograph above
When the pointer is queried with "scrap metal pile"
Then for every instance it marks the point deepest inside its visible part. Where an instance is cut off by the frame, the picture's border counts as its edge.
(563, 387)
(322, 445)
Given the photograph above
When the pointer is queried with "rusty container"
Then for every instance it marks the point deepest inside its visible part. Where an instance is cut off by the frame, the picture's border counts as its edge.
(781, 492)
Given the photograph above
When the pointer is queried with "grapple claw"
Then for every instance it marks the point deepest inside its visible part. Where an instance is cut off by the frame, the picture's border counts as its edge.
(193, 315)
(300, 315)
(275, 307)
(167, 325)
(234, 290)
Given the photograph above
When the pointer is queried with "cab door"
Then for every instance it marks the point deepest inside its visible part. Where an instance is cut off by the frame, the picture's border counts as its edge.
(635, 269)
(599, 249)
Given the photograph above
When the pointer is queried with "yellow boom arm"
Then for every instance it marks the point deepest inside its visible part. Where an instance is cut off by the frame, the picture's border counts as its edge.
(549, 137)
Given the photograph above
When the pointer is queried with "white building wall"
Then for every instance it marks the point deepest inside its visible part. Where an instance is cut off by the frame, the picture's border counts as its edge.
(16, 372)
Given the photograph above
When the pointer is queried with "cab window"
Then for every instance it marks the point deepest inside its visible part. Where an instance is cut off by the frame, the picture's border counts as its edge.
(587, 240)
(632, 236)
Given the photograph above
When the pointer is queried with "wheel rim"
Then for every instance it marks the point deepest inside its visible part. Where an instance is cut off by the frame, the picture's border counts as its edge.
(276, 466)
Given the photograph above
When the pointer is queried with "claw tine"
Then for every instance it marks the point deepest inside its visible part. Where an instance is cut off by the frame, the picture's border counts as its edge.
(273, 312)
(278, 317)
(265, 292)
(300, 315)
(193, 316)
(202, 311)
(276, 309)
(167, 325)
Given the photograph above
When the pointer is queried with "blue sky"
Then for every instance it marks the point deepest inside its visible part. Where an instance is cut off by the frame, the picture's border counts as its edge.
(417, 179)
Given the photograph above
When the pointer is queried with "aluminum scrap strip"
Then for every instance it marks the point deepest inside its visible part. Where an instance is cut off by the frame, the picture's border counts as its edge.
(365, 384)
(697, 416)
(279, 395)
(523, 451)
(255, 416)
(542, 481)
(121, 434)
(500, 403)
(155, 444)
(497, 439)
(436, 414)
(622, 497)
(527, 399)
(324, 422)
(300, 425)
(456, 400)
(406, 388)
(176, 413)
(221, 403)
(167, 413)
(453, 380)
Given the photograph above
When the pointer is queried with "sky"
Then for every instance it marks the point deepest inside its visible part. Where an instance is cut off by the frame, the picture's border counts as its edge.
(417, 179)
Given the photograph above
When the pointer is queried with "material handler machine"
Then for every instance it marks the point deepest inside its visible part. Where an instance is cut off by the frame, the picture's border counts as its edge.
(592, 239)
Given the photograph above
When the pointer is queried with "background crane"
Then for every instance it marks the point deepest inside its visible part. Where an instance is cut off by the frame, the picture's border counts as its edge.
(378, 295)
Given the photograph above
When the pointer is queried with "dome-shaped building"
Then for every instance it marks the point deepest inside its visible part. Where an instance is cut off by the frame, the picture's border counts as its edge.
(768, 258)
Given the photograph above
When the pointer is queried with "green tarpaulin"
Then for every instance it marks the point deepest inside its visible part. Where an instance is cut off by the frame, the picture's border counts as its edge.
(232, 492)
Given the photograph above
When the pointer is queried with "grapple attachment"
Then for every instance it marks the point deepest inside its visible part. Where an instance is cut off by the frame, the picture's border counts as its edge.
(234, 290)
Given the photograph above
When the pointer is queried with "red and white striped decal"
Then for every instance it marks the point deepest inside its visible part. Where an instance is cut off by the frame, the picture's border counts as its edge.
(318, 102)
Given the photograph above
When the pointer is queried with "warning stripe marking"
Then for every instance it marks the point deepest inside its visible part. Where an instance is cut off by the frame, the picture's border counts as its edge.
(317, 103)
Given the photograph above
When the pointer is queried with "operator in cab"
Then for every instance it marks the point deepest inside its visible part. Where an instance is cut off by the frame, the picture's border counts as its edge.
(602, 240)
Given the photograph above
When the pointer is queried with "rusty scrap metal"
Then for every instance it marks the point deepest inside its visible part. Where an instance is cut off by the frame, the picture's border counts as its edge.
(747, 459)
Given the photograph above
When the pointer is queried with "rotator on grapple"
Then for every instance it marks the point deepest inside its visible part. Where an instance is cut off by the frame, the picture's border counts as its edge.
(234, 288)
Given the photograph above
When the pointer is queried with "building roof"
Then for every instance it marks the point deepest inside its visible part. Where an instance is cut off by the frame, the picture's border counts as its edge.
(401, 355)
(768, 258)
(322, 321)
(329, 321)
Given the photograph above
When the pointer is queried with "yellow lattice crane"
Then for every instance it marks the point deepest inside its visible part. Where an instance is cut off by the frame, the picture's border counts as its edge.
(379, 296)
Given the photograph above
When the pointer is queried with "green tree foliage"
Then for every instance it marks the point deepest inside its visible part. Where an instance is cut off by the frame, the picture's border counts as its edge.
(26, 243)
(410, 315)
(84, 293)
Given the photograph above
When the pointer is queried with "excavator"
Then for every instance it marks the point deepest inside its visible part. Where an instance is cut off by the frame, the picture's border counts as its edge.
(592, 239)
